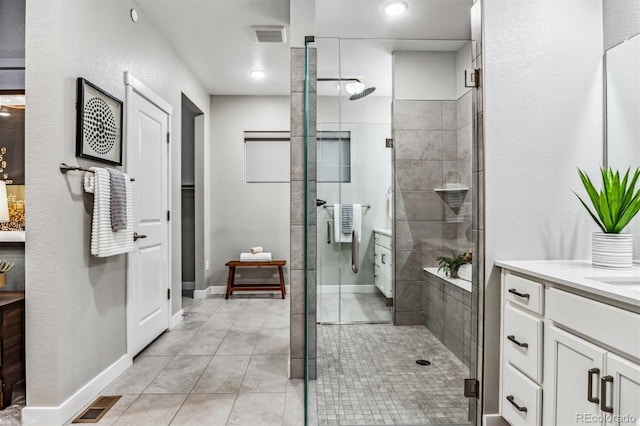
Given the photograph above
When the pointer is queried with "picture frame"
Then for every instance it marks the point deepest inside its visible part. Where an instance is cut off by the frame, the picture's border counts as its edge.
(98, 125)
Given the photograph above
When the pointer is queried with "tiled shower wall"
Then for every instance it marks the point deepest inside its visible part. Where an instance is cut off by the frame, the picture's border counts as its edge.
(297, 267)
(432, 147)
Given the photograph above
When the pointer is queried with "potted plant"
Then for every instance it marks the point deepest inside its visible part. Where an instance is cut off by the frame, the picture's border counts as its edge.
(613, 208)
(451, 265)
(5, 266)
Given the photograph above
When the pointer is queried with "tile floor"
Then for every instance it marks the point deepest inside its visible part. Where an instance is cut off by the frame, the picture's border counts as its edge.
(367, 375)
(224, 364)
(352, 307)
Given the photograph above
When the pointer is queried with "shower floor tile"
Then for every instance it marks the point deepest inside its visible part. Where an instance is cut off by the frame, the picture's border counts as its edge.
(367, 374)
(352, 307)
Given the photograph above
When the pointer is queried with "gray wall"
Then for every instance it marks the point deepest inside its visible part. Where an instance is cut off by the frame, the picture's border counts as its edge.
(76, 303)
(621, 20)
(542, 119)
(244, 215)
(426, 155)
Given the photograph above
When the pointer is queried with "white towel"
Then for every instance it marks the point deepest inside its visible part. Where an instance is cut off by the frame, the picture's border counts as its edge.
(258, 257)
(104, 241)
(338, 236)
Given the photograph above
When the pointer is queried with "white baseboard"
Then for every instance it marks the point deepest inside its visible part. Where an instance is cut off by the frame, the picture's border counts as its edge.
(493, 420)
(347, 289)
(212, 289)
(175, 320)
(57, 416)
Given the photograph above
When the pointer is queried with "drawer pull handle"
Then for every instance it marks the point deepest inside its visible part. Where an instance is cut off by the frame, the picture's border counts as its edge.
(515, 404)
(603, 394)
(590, 374)
(382, 259)
(514, 291)
(513, 339)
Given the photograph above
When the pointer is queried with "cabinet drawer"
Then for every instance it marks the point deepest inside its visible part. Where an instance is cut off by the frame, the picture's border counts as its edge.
(604, 323)
(524, 292)
(522, 340)
(521, 398)
(383, 240)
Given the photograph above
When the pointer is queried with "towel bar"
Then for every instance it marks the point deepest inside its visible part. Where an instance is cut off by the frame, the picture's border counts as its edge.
(366, 206)
(64, 168)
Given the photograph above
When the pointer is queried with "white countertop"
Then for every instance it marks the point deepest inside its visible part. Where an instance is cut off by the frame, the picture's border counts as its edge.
(383, 231)
(579, 274)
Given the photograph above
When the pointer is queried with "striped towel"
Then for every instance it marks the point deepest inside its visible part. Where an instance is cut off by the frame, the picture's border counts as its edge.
(338, 236)
(346, 218)
(118, 200)
(105, 242)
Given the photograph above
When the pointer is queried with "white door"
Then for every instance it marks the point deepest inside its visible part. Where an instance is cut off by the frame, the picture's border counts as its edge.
(570, 364)
(623, 391)
(148, 303)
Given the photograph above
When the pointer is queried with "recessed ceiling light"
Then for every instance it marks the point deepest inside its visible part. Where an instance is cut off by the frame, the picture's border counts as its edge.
(395, 8)
(257, 74)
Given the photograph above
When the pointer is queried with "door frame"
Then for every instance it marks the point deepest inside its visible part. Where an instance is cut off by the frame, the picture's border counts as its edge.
(134, 85)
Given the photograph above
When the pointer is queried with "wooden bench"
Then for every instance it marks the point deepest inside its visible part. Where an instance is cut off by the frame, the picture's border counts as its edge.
(231, 286)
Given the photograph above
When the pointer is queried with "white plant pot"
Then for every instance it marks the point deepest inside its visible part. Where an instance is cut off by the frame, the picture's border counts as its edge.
(612, 251)
(464, 272)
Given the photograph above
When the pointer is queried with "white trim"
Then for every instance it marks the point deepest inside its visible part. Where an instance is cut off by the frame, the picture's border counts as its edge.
(493, 420)
(61, 414)
(347, 289)
(144, 91)
(176, 319)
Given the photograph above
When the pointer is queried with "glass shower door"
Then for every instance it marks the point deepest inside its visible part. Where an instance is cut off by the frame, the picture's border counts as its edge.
(383, 149)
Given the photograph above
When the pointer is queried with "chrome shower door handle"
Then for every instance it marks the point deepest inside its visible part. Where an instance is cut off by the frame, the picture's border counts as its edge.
(354, 251)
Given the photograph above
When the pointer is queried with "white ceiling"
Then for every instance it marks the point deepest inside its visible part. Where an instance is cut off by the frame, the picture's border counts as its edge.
(214, 37)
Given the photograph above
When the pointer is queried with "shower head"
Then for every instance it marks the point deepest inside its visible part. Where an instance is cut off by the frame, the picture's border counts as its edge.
(365, 92)
(354, 96)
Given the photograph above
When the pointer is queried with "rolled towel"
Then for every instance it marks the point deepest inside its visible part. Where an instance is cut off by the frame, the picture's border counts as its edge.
(258, 257)
(255, 250)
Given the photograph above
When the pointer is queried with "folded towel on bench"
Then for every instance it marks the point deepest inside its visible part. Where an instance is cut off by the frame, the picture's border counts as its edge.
(258, 257)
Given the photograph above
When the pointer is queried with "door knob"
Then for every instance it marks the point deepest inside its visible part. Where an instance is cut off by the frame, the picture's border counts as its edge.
(136, 236)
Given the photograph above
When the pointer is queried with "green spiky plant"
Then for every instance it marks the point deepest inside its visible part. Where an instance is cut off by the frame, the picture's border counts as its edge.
(450, 265)
(618, 201)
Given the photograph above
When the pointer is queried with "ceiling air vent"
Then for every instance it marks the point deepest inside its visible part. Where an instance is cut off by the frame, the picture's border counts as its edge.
(270, 34)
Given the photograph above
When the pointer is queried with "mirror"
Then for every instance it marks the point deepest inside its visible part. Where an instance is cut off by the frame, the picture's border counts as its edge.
(12, 113)
(623, 104)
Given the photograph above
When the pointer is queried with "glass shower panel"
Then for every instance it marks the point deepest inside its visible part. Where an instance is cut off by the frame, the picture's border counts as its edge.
(394, 127)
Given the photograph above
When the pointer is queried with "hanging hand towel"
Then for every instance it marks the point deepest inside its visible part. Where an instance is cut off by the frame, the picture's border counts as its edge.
(104, 241)
(338, 236)
(118, 200)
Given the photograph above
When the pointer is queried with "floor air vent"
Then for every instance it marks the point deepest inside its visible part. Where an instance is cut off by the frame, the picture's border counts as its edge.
(97, 409)
(272, 34)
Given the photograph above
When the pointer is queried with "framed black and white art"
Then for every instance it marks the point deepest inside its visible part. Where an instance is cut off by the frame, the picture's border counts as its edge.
(99, 124)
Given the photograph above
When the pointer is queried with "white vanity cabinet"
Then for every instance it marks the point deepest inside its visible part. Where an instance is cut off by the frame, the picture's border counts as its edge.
(570, 355)
(383, 274)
